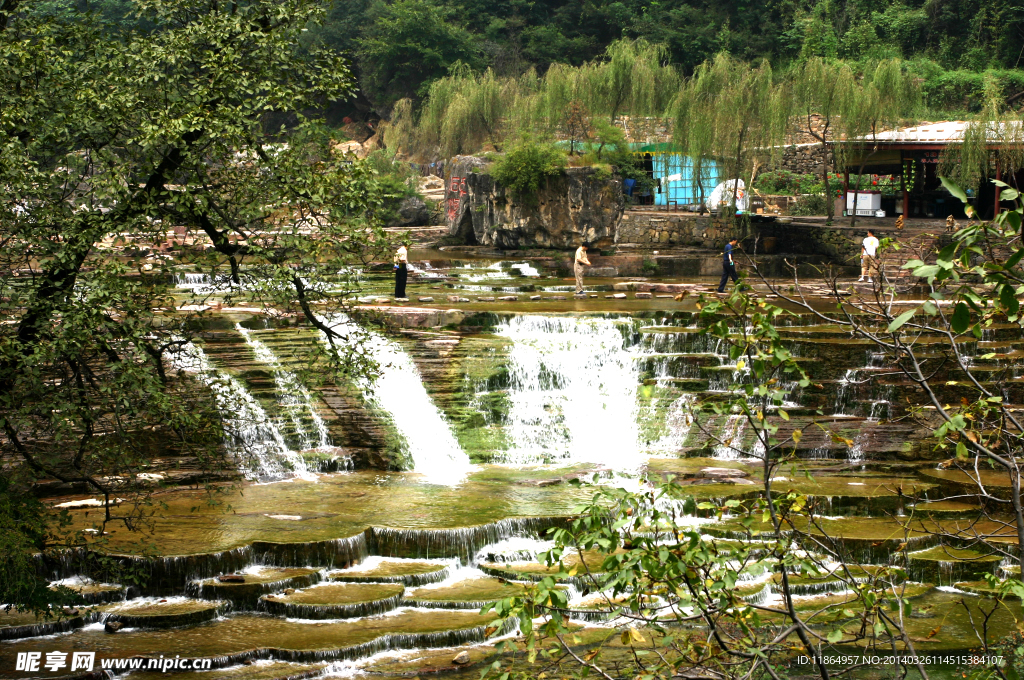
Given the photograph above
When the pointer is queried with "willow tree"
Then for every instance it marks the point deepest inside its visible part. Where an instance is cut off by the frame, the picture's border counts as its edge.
(885, 97)
(694, 134)
(634, 78)
(728, 109)
(467, 111)
(822, 94)
(992, 141)
(463, 112)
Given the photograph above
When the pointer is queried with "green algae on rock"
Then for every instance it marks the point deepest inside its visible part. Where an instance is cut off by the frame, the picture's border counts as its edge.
(945, 565)
(173, 612)
(235, 639)
(408, 572)
(471, 593)
(335, 601)
(15, 625)
(257, 582)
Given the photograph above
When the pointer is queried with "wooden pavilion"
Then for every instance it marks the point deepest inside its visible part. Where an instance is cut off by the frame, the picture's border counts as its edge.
(914, 154)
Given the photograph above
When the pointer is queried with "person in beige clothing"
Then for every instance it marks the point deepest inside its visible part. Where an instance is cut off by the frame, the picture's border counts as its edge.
(577, 268)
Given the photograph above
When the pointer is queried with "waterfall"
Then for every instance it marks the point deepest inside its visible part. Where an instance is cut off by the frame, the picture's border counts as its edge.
(250, 436)
(731, 438)
(294, 398)
(573, 392)
(399, 391)
(843, 390)
(678, 421)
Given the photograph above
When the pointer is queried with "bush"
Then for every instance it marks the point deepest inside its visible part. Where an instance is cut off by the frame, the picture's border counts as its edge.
(397, 180)
(813, 204)
(526, 165)
(785, 183)
(614, 149)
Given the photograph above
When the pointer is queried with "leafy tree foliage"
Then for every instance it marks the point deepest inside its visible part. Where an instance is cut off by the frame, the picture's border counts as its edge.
(408, 44)
(114, 135)
(963, 36)
(527, 165)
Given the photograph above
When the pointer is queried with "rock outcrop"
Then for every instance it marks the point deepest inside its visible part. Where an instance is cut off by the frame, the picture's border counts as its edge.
(412, 212)
(573, 207)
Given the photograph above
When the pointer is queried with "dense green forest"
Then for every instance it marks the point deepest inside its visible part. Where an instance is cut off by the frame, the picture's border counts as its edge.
(398, 47)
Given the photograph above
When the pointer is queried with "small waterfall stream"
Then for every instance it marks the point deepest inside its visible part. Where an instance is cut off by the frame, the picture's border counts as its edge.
(251, 437)
(573, 392)
(399, 391)
(295, 399)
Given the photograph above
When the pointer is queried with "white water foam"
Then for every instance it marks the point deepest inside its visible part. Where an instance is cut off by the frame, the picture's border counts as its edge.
(573, 392)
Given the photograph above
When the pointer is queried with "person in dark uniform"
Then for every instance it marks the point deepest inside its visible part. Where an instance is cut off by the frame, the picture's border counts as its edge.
(401, 270)
(728, 265)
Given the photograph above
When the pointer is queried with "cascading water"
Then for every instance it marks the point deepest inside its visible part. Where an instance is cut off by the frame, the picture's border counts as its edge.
(731, 438)
(251, 437)
(399, 391)
(294, 398)
(843, 392)
(573, 392)
(678, 421)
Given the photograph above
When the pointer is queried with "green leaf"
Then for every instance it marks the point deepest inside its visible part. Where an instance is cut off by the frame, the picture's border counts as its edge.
(927, 271)
(1009, 195)
(783, 414)
(953, 189)
(961, 318)
(835, 636)
(1008, 298)
(903, 318)
(1014, 259)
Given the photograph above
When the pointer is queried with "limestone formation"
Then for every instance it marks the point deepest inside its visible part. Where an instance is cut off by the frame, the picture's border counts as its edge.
(574, 207)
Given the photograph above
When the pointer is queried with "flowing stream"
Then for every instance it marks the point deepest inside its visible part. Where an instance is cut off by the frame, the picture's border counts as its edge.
(295, 399)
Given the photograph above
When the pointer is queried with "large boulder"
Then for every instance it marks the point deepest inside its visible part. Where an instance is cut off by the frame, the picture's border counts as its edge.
(578, 205)
(412, 212)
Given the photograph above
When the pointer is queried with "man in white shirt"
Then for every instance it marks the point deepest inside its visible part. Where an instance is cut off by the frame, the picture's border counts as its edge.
(868, 250)
(577, 267)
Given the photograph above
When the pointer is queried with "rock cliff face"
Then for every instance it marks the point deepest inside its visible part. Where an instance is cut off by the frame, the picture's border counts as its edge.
(574, 207)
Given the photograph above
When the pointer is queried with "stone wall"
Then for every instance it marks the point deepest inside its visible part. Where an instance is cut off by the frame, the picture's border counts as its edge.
(674, 229)
(803, 159)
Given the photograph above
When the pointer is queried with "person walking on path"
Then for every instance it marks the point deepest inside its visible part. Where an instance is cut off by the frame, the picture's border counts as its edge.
(577, 267)
(868, 249)
(401, 270)
(728, 265)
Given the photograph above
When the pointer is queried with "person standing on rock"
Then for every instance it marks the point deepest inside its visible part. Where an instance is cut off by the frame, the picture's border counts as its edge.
(868, 249)
(401, 270)
(728, 265)
(577, 267)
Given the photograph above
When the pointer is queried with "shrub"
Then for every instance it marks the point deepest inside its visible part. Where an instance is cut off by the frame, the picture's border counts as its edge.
(812, 204)
(397, 180)
(526, 165)
(785, 183)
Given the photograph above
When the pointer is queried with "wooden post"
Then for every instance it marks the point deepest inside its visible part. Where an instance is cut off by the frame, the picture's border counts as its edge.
(846, 190)
(903, 185)
(999, 189)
